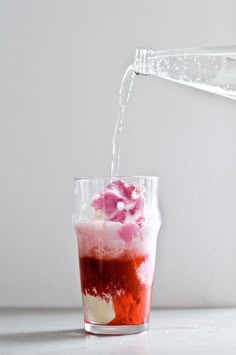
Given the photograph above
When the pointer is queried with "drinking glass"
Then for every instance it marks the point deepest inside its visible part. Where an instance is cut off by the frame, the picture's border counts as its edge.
(116, 220)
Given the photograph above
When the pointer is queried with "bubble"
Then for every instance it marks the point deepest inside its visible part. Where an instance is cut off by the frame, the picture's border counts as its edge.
(120, 205)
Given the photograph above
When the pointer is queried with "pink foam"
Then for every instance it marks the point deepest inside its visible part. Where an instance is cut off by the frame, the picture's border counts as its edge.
(121, 203)
(129, 231)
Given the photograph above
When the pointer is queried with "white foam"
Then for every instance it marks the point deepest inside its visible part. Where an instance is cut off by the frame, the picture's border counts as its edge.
(101, 238)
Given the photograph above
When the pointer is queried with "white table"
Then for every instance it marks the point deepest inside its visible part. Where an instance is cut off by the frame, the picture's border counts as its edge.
(184, 332)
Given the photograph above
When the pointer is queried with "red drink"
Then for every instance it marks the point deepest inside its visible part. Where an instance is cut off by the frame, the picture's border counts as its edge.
(117, 280)
(117, 248)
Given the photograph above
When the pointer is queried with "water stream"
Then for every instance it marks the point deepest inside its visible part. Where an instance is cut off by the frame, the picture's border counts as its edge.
(209, 69)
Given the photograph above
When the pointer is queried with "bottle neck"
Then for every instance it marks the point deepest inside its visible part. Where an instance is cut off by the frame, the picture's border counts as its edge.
(146, 61)
(142, 61)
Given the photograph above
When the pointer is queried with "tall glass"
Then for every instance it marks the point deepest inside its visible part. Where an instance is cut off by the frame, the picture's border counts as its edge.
(116, 220)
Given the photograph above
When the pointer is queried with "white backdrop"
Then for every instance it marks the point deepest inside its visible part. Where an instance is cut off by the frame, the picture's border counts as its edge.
(61, 67)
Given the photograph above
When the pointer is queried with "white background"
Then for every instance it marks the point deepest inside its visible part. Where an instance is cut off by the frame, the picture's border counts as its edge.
(61, 67)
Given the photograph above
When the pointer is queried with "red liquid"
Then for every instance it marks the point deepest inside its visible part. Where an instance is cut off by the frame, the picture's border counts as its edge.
(117, 279)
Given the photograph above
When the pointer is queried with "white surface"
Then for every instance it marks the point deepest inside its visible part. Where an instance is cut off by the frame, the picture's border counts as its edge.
(61, 68)
(208, 331)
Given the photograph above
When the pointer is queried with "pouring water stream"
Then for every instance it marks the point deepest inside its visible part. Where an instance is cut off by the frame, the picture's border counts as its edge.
(208, 69)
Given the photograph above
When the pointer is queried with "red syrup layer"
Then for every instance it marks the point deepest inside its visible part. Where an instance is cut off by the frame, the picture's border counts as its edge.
(117, 280)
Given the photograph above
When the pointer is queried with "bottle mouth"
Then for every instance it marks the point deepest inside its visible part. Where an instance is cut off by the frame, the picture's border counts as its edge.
(140, 61)
(144, 60)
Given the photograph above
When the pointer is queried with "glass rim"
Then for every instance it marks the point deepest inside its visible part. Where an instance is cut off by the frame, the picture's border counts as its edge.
(90, 178)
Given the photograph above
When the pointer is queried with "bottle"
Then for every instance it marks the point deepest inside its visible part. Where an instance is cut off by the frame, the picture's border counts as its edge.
(209, 69)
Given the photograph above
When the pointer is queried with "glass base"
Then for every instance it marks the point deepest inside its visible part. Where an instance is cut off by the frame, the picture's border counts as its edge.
(115, 329)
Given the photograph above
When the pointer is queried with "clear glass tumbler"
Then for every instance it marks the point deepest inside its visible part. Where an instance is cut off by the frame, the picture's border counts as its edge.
(116, 220)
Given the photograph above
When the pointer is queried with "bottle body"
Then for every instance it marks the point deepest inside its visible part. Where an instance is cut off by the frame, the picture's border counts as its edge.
(210, 69)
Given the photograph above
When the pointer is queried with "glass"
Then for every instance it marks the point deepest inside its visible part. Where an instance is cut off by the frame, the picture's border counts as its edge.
(116, 221)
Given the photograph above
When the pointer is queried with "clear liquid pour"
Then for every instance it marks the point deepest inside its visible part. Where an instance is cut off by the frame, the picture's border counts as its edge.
(125, 90)
(208, 69)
